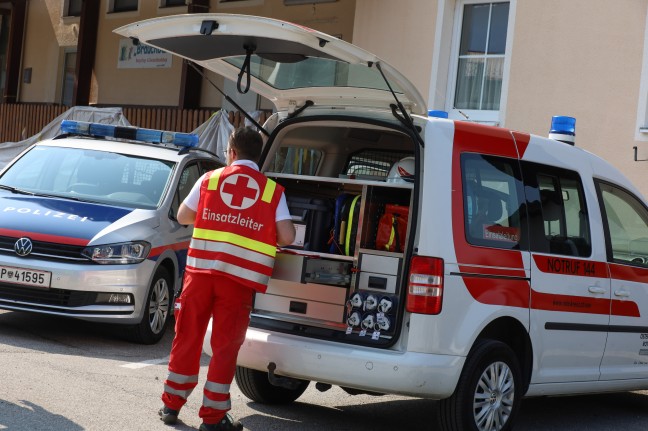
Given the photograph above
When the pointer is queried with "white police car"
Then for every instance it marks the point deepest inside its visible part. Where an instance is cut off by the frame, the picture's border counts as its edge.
(87, 226)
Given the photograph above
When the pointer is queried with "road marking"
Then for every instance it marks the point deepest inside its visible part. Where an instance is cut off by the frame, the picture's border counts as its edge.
(147, 363)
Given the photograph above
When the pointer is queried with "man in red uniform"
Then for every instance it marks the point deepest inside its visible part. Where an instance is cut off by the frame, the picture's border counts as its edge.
(239, 218)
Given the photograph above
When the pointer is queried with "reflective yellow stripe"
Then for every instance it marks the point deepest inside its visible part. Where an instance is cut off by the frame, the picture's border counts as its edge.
(217, 405)
(181, 378)
(233, 270)
(232, 249)
(268, 191)
(179, 392)
(213, 180)
(350, 225)
(232, 238)
(217, 388)
(391, 235)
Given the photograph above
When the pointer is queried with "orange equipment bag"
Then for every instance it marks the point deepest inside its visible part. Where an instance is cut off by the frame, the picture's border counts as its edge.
(392, 228)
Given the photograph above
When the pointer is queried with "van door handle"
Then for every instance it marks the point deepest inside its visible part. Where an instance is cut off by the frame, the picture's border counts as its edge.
(596, 289)
(622, 293)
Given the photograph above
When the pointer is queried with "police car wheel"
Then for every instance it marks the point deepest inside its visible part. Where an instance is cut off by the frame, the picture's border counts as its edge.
(256, 386)
(488, 395)
(157, 311)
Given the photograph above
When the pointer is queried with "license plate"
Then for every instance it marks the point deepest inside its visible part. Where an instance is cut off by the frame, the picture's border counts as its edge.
(25, 277)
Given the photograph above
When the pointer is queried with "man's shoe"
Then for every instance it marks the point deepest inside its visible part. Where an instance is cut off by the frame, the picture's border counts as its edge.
(226, 424)
(168, 416)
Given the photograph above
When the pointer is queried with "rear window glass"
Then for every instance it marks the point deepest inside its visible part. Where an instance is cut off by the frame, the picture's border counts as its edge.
(312, 72)
(493, 203)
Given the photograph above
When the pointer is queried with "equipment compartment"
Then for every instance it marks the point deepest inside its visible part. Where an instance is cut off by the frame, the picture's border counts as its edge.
(315, 282)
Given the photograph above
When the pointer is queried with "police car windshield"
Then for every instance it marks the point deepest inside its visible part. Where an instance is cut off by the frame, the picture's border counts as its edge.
(90, 175)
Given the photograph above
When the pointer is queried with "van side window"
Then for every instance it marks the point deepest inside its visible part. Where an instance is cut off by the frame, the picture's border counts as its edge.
(493, 202)
(557, 211)
(627, 225)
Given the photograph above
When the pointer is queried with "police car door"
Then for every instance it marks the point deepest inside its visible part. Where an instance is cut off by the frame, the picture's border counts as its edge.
(626, 220)
(570, 292)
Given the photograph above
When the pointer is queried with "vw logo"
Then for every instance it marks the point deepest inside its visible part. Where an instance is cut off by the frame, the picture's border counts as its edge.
(23, 246)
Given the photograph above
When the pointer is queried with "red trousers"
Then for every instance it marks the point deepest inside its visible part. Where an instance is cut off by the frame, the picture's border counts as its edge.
(229, 304)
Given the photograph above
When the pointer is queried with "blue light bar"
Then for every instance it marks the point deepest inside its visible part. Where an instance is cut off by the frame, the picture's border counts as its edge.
(563, 128)
(437, 114)
(130, 133)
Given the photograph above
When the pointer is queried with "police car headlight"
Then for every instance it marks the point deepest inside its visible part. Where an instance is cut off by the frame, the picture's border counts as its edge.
(115, 254)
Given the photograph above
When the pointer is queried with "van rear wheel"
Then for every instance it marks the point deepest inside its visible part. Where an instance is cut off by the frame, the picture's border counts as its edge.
(489, 392)
(256, 386)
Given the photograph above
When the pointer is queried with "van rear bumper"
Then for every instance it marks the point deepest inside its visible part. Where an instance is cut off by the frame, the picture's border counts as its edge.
(363, 368)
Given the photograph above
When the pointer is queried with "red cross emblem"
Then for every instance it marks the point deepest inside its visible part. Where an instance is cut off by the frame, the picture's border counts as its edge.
(239, 191)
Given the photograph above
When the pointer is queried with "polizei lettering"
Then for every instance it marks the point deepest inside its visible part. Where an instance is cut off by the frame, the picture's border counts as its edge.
(247, 222)
(48, 213)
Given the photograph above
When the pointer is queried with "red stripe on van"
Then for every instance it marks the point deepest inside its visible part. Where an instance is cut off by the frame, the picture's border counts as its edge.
(499, 291)
(501, 272)
(477, 138)
(569, 303)
(628, 273)
(522, 142)
(625, 308)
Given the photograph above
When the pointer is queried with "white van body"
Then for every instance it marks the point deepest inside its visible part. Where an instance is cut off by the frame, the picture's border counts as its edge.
(524, 267)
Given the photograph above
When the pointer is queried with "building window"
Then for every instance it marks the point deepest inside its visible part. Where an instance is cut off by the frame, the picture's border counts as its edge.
(124, 5)
(477, 68)
(641, 132)
(481, 56)
(69, 70)
(173, 3)
(238, 3)
(72, 8)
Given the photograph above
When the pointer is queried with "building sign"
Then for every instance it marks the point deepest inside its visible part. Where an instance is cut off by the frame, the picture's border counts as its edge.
(141, 56)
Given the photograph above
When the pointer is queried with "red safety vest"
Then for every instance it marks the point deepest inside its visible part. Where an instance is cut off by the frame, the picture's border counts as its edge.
(235, 232)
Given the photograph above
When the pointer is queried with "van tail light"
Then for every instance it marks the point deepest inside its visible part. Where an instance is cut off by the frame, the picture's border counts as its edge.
(425, 286)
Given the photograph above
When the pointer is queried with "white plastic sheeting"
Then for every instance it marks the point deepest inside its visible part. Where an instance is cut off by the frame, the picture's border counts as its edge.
(212, 134)
(9, 150)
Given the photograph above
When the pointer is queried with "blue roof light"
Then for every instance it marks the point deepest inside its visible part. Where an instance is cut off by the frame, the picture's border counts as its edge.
(437, 114)
(130, 133)
(563, 128)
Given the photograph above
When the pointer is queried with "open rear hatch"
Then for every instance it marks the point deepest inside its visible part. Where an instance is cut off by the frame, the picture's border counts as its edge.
(343, 278)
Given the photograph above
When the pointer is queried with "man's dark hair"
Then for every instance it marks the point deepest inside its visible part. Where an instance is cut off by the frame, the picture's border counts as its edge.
(247, 142)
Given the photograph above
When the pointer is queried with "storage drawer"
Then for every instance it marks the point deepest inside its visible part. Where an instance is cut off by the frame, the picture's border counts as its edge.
(300, 307)
(377, 282)
(309, 269)
(380, 264)
(309, 291)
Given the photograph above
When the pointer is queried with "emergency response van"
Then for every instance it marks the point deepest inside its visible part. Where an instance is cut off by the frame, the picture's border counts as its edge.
(88, 228)
(441, 259)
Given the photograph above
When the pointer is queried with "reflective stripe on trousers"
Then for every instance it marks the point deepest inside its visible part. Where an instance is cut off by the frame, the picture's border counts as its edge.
(179, 385)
